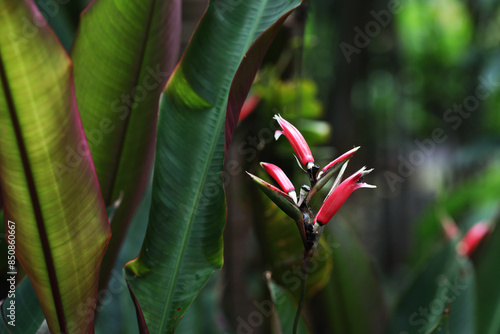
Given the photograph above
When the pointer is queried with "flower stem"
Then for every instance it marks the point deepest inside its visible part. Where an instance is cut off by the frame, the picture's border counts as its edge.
(305, 263)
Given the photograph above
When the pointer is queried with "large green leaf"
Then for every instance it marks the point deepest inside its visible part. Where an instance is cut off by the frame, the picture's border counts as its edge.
(123, 55)
(60, 218)
(183, 243)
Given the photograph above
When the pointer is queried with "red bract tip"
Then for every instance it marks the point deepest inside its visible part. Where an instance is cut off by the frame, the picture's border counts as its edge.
(472, 238)
(297, 141)
(335, 200)
(280, 177)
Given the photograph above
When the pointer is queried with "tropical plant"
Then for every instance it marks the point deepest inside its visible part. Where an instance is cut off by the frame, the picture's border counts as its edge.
(79, 134)
(118, 155)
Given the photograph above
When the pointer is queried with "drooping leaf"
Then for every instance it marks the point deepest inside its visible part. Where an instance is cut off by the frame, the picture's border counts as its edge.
(284, 310)
(48, 180)
(123, 55)
(183, 243)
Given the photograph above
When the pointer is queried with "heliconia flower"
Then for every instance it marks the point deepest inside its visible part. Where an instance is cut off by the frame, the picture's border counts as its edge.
(280, 177)
(297, 141)
(473, 238)
(338, 196)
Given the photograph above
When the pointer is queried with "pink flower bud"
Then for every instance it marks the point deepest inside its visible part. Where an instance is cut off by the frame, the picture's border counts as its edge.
(280, 177)
(338, 196)
(472, 238)
(297, 141)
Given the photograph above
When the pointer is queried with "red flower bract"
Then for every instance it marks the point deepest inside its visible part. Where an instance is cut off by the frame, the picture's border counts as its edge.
(297, 141)
(335, 200)
(280, 177)
(346, 156)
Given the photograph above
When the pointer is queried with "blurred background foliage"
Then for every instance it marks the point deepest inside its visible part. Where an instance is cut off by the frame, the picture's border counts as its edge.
(389, 76)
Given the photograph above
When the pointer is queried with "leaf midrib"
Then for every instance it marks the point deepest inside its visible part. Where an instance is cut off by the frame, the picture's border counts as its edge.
(40, 223)
(185, 237)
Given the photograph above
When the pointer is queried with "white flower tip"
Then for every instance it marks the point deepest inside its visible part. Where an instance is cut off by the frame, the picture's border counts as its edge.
(363, 171)
(277, 134)
(366, 185)
(367, 171)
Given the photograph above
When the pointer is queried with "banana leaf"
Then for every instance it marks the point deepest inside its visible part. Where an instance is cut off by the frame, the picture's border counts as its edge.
(183, 243)
(123, 54)
(49, 186)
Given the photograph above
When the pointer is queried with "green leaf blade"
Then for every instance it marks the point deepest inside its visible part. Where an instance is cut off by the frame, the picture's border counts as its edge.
(124, 53)
(183, 244)
(52, 197)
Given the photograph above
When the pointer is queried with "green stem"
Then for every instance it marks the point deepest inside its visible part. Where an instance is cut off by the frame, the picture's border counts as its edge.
(305, 263)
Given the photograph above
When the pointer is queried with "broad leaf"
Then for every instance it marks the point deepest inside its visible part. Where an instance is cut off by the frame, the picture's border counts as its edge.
(123, 55)
(183, 243)
(61, 223)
